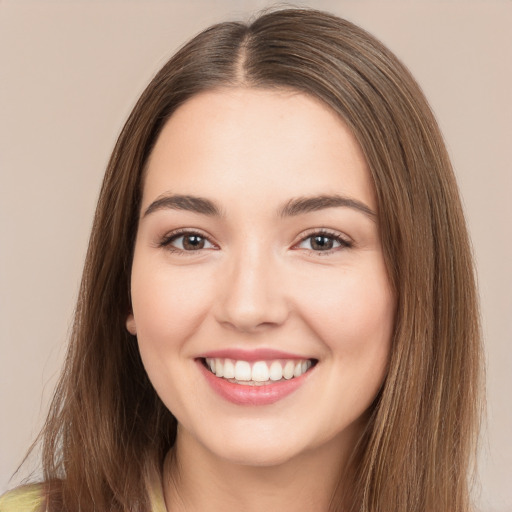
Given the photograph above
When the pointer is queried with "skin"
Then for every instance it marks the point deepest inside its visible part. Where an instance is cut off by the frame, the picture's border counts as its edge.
(258, 282)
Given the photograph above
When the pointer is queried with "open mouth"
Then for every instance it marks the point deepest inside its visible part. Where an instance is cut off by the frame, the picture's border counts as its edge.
(258, 373)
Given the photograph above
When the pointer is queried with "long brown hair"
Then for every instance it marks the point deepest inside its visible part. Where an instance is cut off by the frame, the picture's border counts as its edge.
(106, 425)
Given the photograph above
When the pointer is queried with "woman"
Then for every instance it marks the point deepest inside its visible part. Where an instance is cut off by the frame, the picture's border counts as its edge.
(278, 306)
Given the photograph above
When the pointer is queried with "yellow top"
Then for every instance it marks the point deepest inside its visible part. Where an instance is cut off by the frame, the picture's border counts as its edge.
(22, 499)
(28, 498)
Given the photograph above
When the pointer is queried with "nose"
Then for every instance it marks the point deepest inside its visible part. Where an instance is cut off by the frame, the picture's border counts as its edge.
(252, 294)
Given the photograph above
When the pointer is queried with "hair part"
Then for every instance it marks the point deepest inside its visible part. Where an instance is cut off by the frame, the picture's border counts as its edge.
(107, 428)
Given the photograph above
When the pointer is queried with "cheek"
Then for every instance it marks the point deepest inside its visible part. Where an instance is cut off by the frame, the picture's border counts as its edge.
(353, 313)
(168, 306)
(355, 322)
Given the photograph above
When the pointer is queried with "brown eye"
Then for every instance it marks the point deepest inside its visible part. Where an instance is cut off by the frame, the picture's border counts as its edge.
(193, 242)
(324, 242)
(321, 243)
(187, 242)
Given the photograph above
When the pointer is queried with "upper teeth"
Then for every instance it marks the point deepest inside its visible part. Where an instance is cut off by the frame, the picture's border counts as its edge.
(258, 371)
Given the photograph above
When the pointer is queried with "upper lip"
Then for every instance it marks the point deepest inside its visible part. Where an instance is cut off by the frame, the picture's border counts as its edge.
(258, 354)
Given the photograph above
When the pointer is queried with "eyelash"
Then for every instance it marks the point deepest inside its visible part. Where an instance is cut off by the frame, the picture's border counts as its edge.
(344, 243)
(167, 240)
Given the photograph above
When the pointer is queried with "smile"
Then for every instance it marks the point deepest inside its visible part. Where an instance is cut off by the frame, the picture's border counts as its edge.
(255, 381)
(257, 373)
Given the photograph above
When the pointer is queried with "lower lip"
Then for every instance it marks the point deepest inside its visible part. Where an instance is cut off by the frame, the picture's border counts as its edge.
(243, 394)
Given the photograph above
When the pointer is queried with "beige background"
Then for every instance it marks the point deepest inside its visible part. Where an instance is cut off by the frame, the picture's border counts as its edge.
(70, 73)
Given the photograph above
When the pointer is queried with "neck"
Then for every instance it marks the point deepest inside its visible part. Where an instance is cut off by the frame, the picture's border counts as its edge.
(196, 480)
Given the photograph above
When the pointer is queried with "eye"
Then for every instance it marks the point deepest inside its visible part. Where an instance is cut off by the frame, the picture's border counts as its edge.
(186, 241)
(323, 242)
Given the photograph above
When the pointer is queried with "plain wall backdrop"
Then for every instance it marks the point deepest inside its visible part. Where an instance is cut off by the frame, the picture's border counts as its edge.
(70, 72)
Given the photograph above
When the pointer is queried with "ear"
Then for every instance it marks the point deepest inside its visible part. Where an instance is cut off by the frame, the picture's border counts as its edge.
(130, 324)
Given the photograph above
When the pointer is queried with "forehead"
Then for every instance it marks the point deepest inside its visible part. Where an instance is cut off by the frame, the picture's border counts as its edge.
(241, 141)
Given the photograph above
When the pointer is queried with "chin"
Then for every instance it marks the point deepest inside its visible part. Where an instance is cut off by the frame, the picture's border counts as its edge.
(265, 446)
(258, 456)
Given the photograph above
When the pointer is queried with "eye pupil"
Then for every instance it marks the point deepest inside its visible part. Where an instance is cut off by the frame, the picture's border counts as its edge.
(321, 243)
(193, 242)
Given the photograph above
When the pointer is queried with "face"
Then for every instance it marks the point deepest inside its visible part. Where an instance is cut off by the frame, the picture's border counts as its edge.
(261, 302)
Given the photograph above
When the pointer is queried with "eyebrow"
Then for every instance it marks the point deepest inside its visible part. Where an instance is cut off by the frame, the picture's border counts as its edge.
(303, 205)
(293, 207)
(184, 202)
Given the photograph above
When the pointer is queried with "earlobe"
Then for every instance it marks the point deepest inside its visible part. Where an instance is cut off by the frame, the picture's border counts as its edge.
(130, 324)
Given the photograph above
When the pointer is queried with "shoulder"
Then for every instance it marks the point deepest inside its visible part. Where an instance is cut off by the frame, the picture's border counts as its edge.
(27, 498)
